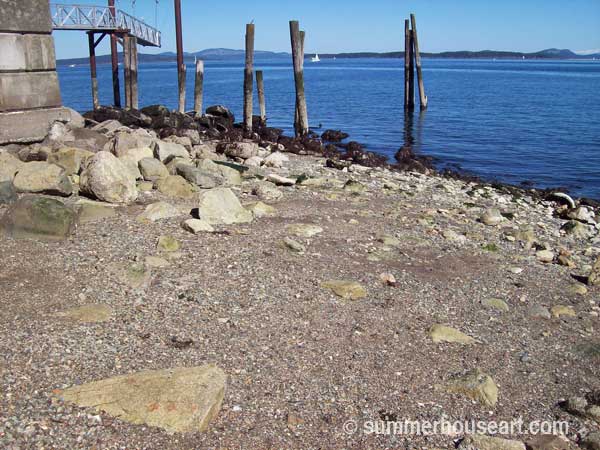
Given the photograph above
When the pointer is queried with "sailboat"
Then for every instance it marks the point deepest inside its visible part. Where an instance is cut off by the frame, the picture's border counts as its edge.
(316, 58)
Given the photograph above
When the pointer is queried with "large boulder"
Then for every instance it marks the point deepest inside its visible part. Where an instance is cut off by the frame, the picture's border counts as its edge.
(8, 194)
(165, 151)
(152, 169)
(86, 139)
(128, 117)
(39, 217)
(175, 186)
(69, 159)
(108, 179)
(125, 141)
(220, 111)
(9, 166)
(231, 176)
(42, 177)
(243, 150)
(132, 157)
(199, 177)
(221, 207)
(177, 400)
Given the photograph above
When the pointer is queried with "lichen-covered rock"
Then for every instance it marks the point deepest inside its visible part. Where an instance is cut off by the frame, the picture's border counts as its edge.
(69, 159)
(175, 186)
(165, 151)
(9, 166)
(39, 217)
(477, 386)
(442, 333)
(152, 169)
(348, 290)
(106, 177)
(8, 194)
(42, 177)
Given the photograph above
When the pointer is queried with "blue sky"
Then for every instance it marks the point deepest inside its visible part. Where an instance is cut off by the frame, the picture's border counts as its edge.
(377, 25)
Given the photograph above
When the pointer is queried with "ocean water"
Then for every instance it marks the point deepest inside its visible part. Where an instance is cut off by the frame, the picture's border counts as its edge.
(533, 122)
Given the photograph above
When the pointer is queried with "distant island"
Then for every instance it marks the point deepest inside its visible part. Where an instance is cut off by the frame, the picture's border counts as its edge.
(221, 54)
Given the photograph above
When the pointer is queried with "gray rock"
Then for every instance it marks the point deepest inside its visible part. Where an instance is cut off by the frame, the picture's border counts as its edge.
(275, 159)
(280, 181)
(492, 217)
(9, 166)
(152, 169)
(108, 179)
(165, 151)
(578, 230)
(481, 442)
(39, 217)
(539, 312)
(197, 226)
(221, 207)
(87, 139)
(231, 176)
(591, 442)
(267, 191)
(199, 177)
(69, 159)
(159, 211)
(293, 245)
(42, 177)
(8, 194)
(124, 141)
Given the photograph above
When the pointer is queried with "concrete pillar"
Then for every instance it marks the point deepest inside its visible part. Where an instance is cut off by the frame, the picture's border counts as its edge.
(30, 98)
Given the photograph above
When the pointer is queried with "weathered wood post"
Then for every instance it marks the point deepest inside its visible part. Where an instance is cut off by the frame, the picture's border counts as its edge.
(114, 58)
(297, 111)
(93, 70)
(297, 57)
(422, 95)
(199, 87)
(260, 88)
(127, 69)
(181, 69)
(248, 77)
(409, 101)
(134, 72)
(181, 77)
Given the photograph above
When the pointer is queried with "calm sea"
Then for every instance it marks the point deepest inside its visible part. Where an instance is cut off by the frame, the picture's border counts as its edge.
(511, 121)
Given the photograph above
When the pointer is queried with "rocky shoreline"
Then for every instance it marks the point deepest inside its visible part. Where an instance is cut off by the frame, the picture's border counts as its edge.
(291, 284)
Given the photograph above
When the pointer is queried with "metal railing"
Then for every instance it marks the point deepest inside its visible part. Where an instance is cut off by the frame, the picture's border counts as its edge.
(100, 18)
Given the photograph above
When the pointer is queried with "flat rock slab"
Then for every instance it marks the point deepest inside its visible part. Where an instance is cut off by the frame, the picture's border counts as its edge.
(442, 333)
(178, 400)
(304, 230)
(87, 314)
(481, 442)
(348, 290)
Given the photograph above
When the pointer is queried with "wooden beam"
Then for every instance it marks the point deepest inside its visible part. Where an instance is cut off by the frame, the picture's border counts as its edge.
(127, 69)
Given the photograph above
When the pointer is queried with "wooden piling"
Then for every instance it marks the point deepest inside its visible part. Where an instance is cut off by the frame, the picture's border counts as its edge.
(127, 69)
(114, 59)
(296, 112)
(422, 96)
(411, 72)
(93, 71)
(248, 77)
(181, 77)
(199, 87)
(181, 69)
(134, 73)
(260, 88)
(409, 101)
(297, 57)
